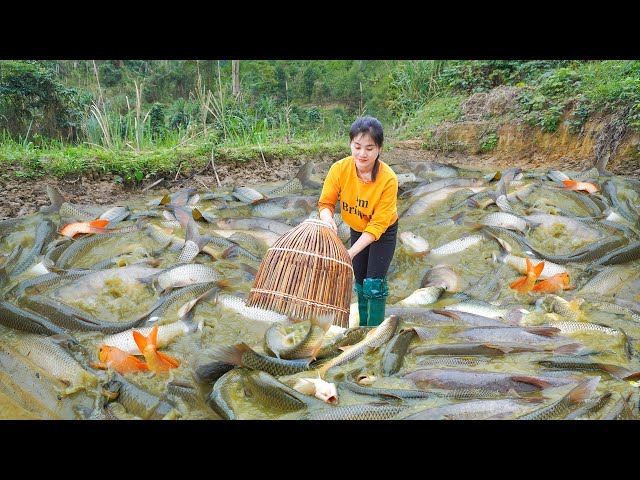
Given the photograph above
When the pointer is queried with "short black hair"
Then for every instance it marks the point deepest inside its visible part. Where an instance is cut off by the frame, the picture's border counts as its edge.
(372, 127)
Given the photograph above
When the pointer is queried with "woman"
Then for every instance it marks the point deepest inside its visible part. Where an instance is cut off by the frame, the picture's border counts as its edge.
(368, 191)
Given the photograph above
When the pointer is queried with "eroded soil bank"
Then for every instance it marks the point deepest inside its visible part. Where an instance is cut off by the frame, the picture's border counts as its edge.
(22, 196)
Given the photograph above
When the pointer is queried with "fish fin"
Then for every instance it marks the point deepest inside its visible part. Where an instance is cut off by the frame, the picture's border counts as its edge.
(569, 184)
(423, 333)
(99, 365)
(166, 199)
(544, 331)
(538, 382)
(98, 223)
(170, 360)
(519, 284)
(632, 376)
(583, 391)
(305, 386)
(230, 354)
(502, 348)
(569, 349)
(615, 370)
(447, 313)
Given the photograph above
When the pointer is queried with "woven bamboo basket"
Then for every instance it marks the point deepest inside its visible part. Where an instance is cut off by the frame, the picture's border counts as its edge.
(307, 272)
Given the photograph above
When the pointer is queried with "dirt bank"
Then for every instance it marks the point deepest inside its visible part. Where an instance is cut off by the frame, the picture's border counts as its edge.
(22, 196)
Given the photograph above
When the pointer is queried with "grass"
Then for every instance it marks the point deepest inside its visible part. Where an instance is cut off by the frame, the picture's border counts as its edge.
(58, 160)
(435, 112)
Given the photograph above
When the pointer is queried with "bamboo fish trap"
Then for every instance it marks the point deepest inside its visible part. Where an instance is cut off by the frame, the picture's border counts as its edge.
(307, 272)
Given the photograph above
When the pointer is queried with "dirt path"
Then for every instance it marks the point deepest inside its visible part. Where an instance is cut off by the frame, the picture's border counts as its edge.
(22, 196)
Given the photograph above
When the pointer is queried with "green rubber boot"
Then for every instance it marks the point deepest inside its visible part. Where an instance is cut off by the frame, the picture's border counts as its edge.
(376, 290)
(363, 305)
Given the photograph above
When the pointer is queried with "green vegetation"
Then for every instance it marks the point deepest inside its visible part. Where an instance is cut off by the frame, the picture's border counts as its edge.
(137, 118)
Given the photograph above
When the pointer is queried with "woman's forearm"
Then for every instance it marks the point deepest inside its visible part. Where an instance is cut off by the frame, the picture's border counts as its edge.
(365, 240)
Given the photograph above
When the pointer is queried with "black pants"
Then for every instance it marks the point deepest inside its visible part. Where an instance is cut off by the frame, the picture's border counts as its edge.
(374, 260)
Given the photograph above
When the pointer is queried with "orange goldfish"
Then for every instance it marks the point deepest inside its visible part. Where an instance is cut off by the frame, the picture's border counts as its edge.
(157, 361)
(526, 283)
(119, 360)
(559, 281)
(586, 186)
(93, 226)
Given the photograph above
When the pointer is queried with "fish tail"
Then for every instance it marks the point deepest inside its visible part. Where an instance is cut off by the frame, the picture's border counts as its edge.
(583, 390)
(324, 321)
(569, 184)
(170, 360)
(537, 270)
(231, 354)
(615, 370)
(145, 342)
(56, 199)
(98, 223)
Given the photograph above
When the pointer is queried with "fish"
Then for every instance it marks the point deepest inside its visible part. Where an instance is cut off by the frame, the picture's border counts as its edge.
(243, 355)
(622, 254)
(542, 335)
(157, 362)
(458, 245)
(20, 319)
(55, 359)
(44, 233)
(553, 284)
(181, 275)
(584, 186)
(319, 388)
(590, 407)
(562, 406)
(415, 244)
(331, 343)
(220, 399)
(507, 220)
(282, 341)
(71, 318)
(375, 338)
(363, 411)
(520, 263)
(138, 401)
(526, 284)
(440, 317)
(580, 363)
(93, 226)
(395, 393)
(395, 351)
(449, 378)
(492, 349)
(476, 409)
(119, 360)
(269, 391)
(80, 248)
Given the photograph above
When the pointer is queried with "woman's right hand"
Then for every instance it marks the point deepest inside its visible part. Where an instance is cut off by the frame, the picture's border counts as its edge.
(327, 216)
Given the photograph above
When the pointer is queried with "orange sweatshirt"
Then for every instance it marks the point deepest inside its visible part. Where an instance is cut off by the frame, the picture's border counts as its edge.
(365, 207)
